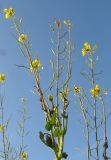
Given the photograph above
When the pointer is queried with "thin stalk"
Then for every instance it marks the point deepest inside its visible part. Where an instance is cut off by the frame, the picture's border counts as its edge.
(95, 108)
(87, 128)
(88, 144)
(69, 55)
(68, 78)
(105, 133)
(22, 135)
(3, 134)
(60, 137)
(57, 78)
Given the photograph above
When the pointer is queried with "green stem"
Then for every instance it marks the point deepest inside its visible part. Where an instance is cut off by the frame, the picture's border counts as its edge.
(105, 133)
(57, 78)
(87, 128)
(95, 110)
(3, 133)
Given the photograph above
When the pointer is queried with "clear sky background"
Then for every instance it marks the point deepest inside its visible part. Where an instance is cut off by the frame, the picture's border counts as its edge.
(92, 23)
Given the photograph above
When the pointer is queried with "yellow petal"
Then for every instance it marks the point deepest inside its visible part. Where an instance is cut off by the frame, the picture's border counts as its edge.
(5, 10)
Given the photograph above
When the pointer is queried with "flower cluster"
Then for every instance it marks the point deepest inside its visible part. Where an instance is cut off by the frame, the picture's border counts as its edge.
(24, 156)
(77, 90)
(9, 12)
(86, 48)
(2, 78)
(22, 38)
(95, 91)
(35, 64)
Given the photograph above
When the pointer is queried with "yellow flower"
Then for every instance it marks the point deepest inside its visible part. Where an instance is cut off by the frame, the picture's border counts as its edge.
(35, 64)
(77, 89)
(1, 127)
(22, 38)
(50, 98)
(24, 156)
(9, 12)
(86, 48)
(2, 78)
(95, 91)
(84, 52)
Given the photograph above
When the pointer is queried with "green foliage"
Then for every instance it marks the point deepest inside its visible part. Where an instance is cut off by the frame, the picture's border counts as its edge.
(64, 155)
(48, 126)
(56, 132)
(41, 136)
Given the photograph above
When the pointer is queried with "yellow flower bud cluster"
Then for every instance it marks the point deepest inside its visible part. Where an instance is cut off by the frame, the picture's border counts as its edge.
(24, 156)
(35, 64)
(9, 12)
(77, 90)
(22, 38)
(2, 78)
(86, 48)
(50, 98)
(95, 91)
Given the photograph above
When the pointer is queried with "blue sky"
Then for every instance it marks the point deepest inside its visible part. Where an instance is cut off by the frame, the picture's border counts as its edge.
(92, 23)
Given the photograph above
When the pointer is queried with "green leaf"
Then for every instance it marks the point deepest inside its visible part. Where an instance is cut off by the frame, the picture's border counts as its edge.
(41, 136)
(53, 118)
(49, 141)
(48, 126)
(64, 155)
(56, 132)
